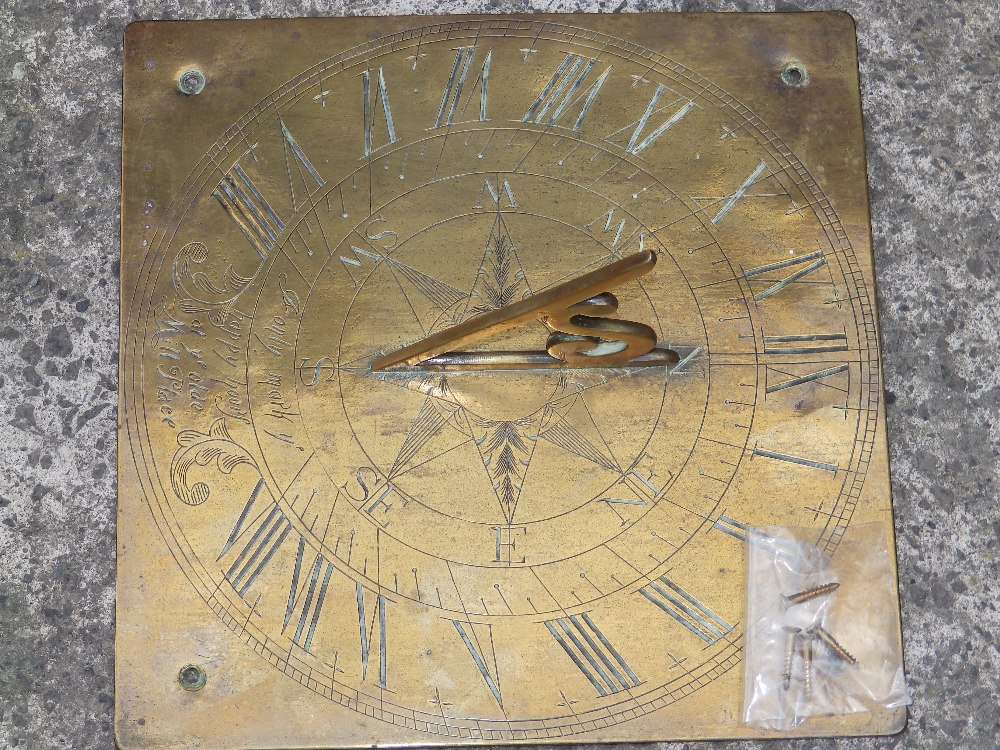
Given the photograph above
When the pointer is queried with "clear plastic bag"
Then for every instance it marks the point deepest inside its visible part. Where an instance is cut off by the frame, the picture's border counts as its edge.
(822, 633)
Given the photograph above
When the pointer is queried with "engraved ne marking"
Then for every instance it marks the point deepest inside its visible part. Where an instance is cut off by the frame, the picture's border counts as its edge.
(592, 653)
(818, 262)
(363, 630)
(477, 657)
(382, 93)
(456, 81)
(249, 210)
(739, 193)
(565, 83)
(313, 602)
(805, 343)
(806, 379)
(687, 610)
(795, 460)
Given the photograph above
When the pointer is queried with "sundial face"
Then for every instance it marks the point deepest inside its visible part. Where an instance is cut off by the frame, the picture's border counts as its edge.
(356, 556)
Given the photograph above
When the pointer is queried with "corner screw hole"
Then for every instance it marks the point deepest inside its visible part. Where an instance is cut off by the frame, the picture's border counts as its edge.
(191, 81)
(794, 74)
(192, 677)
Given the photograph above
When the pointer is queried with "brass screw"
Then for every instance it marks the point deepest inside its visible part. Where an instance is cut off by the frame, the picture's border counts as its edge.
(791, 634)
(804, 596)
(192, 677)
(191, 81)
(807, 656)
(832, 643)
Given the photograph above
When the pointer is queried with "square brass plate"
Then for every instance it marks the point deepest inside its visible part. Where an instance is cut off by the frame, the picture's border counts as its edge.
(315, 554)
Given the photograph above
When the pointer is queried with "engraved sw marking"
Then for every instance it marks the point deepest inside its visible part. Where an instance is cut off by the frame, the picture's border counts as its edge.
(364, 629)
(814, 261)
(249, 210)
(371, 107)
(796, 460)
(267, 533)
(556, 99)
(592, 653)
(636, 143)
(807, 378)
(476, 651)
(806, 343)
(456, 82)
(307, 600)
(740, 192)
(304, 170)
(687, 610)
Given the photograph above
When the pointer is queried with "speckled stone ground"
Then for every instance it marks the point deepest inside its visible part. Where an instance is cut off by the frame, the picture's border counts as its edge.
(931, 73)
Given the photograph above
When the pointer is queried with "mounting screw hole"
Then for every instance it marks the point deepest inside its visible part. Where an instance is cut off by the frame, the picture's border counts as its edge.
(191, 81)
(192, 677)
(794, 74)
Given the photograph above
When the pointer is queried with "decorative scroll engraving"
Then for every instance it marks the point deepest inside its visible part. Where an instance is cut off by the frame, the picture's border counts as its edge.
(201, 449)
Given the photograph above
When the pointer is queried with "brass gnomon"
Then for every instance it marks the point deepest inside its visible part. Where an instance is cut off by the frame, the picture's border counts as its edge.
(581, 337)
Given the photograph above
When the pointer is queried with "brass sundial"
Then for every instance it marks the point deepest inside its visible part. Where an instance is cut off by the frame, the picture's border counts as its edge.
(458, 356)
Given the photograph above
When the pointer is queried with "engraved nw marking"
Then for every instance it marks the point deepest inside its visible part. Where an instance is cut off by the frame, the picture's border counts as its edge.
(817, 261)
(807, 379)
(371, 107)
(267, 533)
(636, 143)
(477, 653)
(806, 343)
(592, 653)
(687, 610)
(558, 94)
(456, 81)
(249, 210)
(309, 598)
(740, 191)
(441, 294)
(364, 631)
(796, 460)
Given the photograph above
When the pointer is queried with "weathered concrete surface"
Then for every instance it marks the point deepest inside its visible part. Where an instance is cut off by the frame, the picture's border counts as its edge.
(931, 72)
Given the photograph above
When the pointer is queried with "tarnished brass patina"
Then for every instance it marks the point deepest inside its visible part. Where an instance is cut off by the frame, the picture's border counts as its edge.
(374, 490)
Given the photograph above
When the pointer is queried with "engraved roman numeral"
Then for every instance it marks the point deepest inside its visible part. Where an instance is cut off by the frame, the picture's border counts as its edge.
(795, 460)
(592, 653)
(267, 531)
(456, 82)
(731, 526)
(366, 628)
(809, 343)
(307, 600)
(371, 109)
(478, 639)
(687, 610)
(636, 142)
(813, 376)
(250, 211)
(813, 261)
(561, 95)
(298, 168)
(740, 192)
